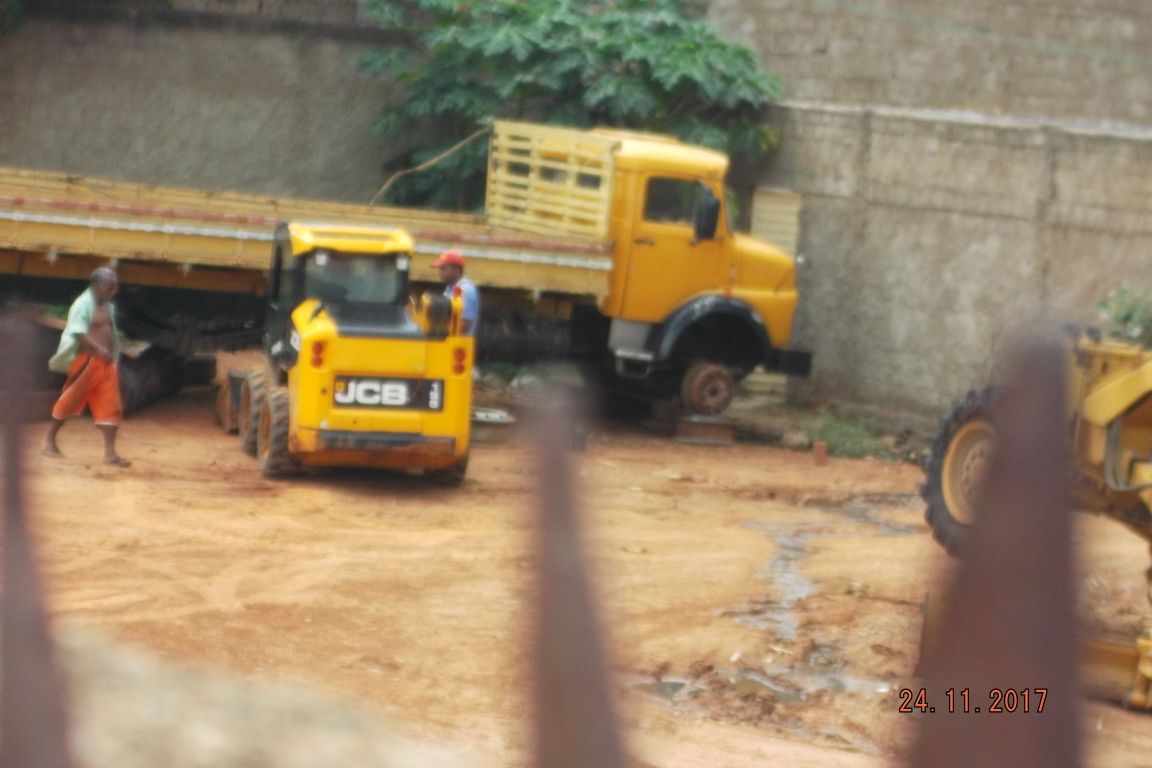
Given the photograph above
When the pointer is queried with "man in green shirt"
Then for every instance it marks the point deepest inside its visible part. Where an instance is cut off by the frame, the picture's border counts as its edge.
(89, 348)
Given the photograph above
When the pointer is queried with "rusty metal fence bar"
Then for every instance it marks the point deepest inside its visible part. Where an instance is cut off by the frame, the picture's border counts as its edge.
(33, 718)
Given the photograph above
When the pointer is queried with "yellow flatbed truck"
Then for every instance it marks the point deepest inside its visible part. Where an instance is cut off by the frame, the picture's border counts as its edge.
(610, 247)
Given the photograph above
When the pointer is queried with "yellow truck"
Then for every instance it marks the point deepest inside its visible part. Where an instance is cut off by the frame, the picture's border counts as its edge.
(356, 374)
(608, 247)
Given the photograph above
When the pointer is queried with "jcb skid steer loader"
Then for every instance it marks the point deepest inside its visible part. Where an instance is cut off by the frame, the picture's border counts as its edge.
(356, 373)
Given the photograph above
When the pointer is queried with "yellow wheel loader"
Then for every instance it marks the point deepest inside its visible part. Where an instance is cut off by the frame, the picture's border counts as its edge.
(356, 373)
(1110, 424)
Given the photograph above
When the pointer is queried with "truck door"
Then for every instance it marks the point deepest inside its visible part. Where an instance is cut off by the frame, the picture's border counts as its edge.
(667, 263)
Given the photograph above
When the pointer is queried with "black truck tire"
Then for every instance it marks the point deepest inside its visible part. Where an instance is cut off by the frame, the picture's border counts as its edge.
(956, 465)
(272, 436)
(253, 390)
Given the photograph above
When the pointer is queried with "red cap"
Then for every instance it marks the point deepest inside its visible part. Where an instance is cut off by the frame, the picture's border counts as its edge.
(449, 257)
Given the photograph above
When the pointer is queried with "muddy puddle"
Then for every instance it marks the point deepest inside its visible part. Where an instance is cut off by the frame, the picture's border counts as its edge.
(798, 673)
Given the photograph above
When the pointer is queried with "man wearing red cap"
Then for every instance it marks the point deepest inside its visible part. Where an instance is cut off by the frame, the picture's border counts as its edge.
(451, 266)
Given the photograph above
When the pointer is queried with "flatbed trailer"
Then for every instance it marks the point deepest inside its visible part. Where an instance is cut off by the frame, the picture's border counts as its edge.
(606, 246)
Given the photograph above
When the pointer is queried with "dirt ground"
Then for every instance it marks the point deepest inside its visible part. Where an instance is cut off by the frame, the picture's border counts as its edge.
(761, 609)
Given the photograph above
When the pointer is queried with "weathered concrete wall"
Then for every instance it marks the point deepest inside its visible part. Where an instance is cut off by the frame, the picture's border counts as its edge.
(927, 234)
(930, 232)
(313, 11)
(1084, 59)
(927, 241)
(266, 111)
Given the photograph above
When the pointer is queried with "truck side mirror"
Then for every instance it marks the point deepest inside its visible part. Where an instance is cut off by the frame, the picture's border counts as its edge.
(706, 216)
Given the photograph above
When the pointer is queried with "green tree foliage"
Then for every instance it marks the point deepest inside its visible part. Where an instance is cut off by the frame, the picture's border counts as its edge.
(11, 12)
(644, 64)
(1127, 315)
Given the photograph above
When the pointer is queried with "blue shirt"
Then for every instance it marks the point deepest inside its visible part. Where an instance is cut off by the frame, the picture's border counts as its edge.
(466, 290)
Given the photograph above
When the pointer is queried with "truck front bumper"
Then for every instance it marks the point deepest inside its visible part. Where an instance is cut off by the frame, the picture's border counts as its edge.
(791, 362)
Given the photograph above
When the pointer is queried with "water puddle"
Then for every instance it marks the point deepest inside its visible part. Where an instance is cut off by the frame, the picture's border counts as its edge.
(793, 685)
(800, 674)
(821, 670)
(863, 510)
(668, 688)
(789, 585)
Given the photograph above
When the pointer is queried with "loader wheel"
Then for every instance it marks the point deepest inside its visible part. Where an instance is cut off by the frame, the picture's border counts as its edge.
(253, 390)
(272, 436)
(452, 476)
(956, 466)
(707, 388)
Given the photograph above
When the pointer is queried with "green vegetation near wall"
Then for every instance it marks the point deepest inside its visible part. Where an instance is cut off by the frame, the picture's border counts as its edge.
(643, 64)
(10, 13)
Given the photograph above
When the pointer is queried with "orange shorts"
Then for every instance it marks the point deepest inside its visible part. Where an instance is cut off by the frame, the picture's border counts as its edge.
(92, 383)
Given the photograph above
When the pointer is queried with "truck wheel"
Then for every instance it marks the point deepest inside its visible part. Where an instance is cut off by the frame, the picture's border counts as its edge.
(957, 464)
(272, 435)
(707, 388)
(451, 476)
(130, 397)
(253, 390)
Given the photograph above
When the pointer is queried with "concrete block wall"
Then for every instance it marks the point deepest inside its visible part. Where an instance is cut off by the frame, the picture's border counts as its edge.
(1085, 59)
(340, 12)
(927, 241)
(927, 233)
(217, 107)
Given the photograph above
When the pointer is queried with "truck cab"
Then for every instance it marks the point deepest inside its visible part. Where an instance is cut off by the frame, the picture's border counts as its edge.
(690, 307)
(693, 306)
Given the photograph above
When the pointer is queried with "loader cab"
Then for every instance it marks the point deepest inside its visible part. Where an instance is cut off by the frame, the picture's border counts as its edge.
(358, 279)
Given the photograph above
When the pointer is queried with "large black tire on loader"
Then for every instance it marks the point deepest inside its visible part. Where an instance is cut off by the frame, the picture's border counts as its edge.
(272, 441)
(253, 390)
(956, 466)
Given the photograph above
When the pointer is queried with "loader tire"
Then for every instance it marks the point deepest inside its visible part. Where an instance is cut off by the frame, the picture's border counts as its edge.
(707, 388)
(451, 476)
(956, 466)
(253, 390)
(272, 436)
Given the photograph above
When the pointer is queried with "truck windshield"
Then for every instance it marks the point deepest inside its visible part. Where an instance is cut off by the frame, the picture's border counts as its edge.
(353, 278)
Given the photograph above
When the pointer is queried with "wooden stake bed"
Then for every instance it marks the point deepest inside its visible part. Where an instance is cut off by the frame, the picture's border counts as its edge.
(56, 225)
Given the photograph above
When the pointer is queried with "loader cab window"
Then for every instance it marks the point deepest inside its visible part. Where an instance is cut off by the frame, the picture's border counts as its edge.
(673, 201)
(351, 278)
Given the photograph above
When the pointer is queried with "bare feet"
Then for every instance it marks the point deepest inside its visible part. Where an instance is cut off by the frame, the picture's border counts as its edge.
(117, 461)
(51, 450)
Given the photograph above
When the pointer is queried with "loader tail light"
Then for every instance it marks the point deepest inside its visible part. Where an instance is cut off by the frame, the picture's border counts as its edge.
(318, 354)
(458, 356)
